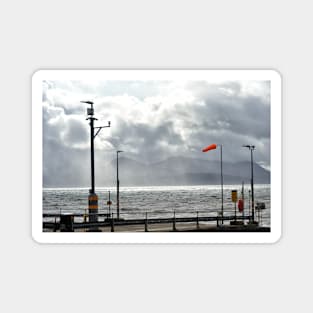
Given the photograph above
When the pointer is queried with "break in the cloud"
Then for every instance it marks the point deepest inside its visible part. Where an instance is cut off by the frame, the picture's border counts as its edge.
(151, 121)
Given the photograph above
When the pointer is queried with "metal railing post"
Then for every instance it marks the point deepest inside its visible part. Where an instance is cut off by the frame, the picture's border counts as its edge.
(146, 222)
(198, 220)
(85, 216)
(174, 222)
(112, 223)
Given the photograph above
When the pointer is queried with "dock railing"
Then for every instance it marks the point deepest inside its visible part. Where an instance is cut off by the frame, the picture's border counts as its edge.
(80, 219)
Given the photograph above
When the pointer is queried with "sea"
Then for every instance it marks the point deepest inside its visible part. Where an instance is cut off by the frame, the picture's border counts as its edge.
(160, 201)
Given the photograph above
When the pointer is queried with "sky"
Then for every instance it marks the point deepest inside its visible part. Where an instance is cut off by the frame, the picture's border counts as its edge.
(152, 121)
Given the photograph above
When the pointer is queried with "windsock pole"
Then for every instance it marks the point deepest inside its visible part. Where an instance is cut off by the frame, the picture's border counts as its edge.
(212, 147)
(222, 183)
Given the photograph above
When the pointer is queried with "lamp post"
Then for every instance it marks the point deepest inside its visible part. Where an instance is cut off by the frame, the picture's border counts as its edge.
(222, 182)
(117, 186)
(251, 148)
(92, 198)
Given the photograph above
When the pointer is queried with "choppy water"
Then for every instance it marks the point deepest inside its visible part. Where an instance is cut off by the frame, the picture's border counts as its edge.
(159, 201)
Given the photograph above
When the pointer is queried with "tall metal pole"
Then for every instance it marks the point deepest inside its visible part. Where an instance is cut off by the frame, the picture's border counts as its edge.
(249, 208)
(222, 183)
(117, 187)
(92, 198)
(243, 199)
(206, 149)
(251, 148)
(92, 155)
(252, 183)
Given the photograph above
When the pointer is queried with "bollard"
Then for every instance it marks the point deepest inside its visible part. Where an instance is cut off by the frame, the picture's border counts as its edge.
(112, 223)
(146, 222)
(93, 212)
(93, 207)
(174, 223)
(66, 223)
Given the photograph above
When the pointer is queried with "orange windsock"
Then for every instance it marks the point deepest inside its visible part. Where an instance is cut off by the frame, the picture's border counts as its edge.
(210, 147)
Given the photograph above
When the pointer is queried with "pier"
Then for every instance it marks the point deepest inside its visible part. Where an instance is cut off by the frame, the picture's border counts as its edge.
(103, 222)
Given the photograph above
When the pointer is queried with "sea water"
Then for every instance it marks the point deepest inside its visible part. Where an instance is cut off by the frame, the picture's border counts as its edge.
(159, 201)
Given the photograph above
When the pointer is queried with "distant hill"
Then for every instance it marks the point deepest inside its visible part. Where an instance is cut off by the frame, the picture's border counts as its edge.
(180, 171)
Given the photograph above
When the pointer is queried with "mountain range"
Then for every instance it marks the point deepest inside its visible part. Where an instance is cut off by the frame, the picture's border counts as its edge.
(179, 171)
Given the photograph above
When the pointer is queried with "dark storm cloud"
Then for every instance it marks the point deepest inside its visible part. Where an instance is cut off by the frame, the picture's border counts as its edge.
(64, 166)
(145, 141)
(76, 132)
(231, 115)
(151, 136)
(152, 121)
(239, 116)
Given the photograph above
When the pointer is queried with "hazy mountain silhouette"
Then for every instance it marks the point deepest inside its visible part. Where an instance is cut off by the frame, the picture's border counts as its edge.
(172, 171)
(181, 171)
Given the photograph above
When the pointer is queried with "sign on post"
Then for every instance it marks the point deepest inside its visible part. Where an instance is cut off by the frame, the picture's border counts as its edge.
(234, 195)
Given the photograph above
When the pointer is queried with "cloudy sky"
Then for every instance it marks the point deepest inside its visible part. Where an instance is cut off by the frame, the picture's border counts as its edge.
(151, 121)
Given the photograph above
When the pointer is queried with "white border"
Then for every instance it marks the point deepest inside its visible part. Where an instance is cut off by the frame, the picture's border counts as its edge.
(150, 237)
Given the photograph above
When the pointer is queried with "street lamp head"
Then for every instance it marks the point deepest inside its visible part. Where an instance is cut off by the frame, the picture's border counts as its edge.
(118, 151)
(88, 102)
(251, 147)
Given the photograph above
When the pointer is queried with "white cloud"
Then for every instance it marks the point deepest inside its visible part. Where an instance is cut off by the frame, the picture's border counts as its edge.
(154, 120)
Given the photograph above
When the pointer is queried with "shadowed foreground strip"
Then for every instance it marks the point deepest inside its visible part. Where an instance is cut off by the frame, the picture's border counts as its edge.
(191, 224)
